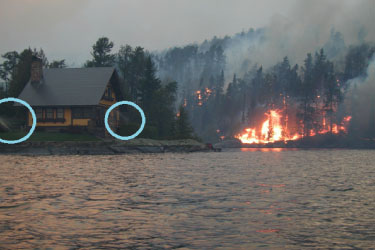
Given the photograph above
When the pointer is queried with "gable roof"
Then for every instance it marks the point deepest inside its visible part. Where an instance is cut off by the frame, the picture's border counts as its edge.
(69, 87)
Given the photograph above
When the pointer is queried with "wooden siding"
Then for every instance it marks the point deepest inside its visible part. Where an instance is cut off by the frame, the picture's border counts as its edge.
(67, 122)
(81, 122)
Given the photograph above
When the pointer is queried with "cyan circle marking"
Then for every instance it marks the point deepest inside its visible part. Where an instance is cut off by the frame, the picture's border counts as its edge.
(11, 99)
(125, 138)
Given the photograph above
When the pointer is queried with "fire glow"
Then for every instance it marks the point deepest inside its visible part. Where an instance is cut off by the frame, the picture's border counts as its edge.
(203, 95)
(275, 129)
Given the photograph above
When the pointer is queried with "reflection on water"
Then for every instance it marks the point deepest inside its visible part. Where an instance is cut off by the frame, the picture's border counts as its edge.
(231, 200)
(266, 149)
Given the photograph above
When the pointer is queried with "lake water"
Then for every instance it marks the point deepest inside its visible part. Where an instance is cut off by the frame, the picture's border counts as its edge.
(239, 199)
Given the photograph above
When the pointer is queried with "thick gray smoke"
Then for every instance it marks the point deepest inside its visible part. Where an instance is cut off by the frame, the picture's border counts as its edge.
(360, 100)
(311, 25)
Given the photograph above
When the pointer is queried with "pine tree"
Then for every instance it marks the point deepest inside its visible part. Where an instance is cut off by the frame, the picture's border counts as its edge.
(57, 64)
(6, 68)
(21, 73)
(149, 85)
(332, 93)
(162, 111)
(101, 54)
(183, 127)
(131, 63)
(307, 95)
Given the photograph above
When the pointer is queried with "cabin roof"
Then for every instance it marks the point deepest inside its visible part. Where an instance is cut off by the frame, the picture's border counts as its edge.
(69, 87)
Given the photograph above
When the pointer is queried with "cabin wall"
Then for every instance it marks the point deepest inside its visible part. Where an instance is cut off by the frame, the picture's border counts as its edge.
(81, 122)
(114, 116)
(67, 122)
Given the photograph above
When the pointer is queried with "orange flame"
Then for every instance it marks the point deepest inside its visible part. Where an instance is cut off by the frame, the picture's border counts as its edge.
(203, 95)
(273, 129)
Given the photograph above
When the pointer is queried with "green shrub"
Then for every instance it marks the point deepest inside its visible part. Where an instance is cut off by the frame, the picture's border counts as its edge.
(150, 132)
(128, 129)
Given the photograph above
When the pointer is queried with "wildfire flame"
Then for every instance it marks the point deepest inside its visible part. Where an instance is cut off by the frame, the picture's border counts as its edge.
(208, 92)
(203, 95)
(271, 131)
(275, 129)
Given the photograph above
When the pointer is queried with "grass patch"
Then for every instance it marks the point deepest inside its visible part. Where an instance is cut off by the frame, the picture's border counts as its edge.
(48, 136)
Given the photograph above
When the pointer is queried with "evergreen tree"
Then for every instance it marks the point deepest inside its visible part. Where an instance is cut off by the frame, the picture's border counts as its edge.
(307, 95)
(21, 73)
(256, 85)
(131, 63)
(183, 127)
(332, 93)
(15, 70)
(57, 64)
(149, 85)
(6, 68)
(162, 111)
(101, 53)
(219, 89)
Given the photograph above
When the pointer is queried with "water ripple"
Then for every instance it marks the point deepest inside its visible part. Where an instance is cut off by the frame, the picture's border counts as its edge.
(252, 199)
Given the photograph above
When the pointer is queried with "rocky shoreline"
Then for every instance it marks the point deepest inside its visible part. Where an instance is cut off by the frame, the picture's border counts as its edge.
(108, 147)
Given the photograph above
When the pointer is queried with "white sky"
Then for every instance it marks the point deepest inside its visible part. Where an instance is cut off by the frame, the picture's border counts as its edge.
(66, 29)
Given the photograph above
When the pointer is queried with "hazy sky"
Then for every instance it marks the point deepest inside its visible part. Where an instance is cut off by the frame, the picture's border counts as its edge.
(66, 29)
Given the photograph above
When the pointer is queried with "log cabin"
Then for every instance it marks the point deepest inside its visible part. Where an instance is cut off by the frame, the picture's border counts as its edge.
(72, 98)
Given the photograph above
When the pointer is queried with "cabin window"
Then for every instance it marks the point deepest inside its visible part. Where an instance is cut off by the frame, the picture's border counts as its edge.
(39, 113)
(49, 113)
(108, 94)
(60, 113)
(82, 113)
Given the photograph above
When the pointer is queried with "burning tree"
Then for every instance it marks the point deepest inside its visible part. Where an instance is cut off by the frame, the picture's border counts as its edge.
(295, 108)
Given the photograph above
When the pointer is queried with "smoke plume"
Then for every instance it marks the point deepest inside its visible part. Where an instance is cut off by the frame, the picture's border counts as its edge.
(361, 102)
(311, 25)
